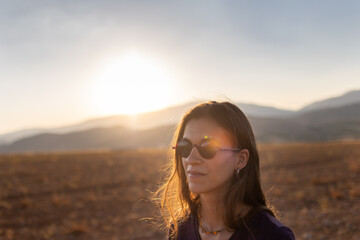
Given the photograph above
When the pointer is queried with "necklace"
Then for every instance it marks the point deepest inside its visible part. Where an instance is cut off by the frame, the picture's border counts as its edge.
(204, 230)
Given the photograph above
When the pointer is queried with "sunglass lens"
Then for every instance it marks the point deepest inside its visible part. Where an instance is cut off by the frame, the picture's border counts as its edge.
(184, 148)
(207, 149)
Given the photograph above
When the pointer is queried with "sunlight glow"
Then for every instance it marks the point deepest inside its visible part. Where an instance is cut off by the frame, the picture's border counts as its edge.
(132, 84)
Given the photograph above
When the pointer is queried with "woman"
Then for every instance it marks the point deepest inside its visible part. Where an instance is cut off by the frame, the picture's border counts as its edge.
(213, 190)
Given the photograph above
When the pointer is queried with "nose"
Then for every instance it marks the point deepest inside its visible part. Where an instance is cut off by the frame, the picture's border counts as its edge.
(194, 156)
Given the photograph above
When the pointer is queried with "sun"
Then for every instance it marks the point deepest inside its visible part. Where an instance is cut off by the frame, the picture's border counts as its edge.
(132, 84)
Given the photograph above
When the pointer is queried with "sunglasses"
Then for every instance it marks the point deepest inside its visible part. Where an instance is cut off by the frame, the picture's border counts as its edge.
(207, 148)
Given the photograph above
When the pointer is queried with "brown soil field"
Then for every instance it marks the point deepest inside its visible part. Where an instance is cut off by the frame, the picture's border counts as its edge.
(104, 195)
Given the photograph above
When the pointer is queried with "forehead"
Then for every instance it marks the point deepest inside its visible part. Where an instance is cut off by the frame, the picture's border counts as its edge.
(197, 129)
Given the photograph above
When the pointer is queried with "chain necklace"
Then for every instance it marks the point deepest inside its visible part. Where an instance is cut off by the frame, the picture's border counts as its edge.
(204, 230)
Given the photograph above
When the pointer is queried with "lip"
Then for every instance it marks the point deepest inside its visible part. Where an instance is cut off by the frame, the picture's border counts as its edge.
(195, 174)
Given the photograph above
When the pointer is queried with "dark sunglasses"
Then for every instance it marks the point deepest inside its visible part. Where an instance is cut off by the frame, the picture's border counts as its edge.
(207, 148)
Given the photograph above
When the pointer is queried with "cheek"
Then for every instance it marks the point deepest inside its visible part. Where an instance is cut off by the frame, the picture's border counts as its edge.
(221, 169)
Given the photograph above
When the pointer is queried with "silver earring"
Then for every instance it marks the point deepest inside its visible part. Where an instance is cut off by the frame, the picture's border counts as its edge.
(238, 171)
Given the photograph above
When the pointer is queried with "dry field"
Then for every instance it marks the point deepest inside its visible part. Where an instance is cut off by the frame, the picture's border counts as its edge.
(102, 195)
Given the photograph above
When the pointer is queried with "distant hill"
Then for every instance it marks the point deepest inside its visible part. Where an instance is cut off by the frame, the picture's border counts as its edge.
(319, 125)
(332, 118)
(322, 125)
(111, 138)
(13, 136)
(343, 100)
(264, 111)
(141, 121)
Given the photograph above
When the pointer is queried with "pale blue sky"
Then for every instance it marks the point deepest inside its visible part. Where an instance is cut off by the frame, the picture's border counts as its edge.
(278, 53)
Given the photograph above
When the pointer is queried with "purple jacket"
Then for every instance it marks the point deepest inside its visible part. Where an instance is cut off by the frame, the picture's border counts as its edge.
(262, 224)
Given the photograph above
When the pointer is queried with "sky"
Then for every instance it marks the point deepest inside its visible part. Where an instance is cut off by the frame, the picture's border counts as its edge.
(64, 61)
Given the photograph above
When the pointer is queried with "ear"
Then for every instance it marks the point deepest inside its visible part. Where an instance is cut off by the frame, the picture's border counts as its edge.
(242, 159)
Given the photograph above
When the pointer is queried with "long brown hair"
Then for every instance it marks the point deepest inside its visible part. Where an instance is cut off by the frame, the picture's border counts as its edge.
(177, 202)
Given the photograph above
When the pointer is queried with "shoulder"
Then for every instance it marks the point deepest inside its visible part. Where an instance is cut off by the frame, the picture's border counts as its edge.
(267, 227)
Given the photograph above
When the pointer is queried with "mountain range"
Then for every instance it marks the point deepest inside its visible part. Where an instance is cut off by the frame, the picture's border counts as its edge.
(330, 119)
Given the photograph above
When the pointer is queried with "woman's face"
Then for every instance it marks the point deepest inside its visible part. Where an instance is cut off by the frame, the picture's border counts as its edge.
(208, 175)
